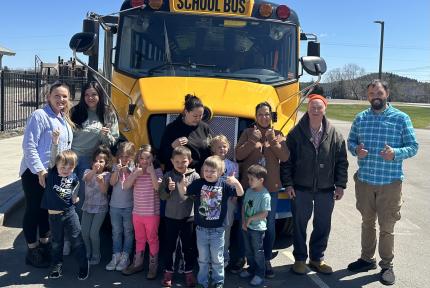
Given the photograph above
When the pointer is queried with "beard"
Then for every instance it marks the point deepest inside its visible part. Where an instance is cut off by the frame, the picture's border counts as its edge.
(378, 103)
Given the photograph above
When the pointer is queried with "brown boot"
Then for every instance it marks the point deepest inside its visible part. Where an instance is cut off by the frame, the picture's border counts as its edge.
(134, 267)
(153, 267)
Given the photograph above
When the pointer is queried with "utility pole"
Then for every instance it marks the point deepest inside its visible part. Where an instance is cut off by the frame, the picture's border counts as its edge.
(381, 47)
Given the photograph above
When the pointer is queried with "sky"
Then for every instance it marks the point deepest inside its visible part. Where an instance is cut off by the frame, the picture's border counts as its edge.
(344, 28)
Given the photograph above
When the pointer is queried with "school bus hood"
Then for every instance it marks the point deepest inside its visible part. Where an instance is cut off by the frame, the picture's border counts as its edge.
(222, 96)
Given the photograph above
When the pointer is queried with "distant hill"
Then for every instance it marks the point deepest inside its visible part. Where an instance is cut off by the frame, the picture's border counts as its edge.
(402, 89)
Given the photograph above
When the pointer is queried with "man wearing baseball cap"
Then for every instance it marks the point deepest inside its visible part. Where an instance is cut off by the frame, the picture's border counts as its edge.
(315, 176)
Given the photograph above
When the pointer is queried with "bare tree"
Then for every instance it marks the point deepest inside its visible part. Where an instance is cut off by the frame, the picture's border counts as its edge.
(352, 74)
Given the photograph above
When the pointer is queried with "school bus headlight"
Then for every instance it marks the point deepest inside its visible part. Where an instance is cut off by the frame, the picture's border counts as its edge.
(155, 4)
(283, 12)
(265, 10)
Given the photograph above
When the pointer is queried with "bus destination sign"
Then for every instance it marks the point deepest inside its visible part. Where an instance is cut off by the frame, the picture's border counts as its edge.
(229, 7)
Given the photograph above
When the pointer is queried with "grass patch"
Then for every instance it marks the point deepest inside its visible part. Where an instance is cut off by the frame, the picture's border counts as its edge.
(346, 112)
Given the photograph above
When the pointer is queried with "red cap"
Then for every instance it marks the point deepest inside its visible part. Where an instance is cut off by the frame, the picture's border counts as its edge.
(317, 96)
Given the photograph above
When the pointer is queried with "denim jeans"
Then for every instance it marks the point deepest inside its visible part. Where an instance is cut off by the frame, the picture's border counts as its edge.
(67, 222)
(254, 252)
(122, 228)
(322, 204)
(270, 235)
(210, 243)
(91, 223)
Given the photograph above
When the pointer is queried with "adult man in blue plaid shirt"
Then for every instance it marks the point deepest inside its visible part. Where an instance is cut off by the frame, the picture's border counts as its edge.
(381, 137)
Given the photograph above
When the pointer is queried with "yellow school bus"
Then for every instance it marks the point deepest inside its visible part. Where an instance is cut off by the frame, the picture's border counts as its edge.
(232, 54)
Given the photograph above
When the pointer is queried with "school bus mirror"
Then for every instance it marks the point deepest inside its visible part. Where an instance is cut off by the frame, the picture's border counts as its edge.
(82, 42)
(313, 65)
(303, 37)
(313, 48)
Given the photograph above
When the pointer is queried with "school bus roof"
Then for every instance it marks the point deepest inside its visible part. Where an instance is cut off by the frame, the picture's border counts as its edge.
(229, 8)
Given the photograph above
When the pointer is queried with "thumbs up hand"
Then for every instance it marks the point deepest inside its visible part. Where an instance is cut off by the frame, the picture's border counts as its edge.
(387, 153)
(171, 185)
(361, 152)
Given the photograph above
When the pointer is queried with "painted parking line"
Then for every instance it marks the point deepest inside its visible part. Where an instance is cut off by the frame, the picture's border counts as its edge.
(311, 274)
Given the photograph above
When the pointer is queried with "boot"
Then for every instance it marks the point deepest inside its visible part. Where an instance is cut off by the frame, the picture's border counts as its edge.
(35, 258)
(136, 266)
(153, 267)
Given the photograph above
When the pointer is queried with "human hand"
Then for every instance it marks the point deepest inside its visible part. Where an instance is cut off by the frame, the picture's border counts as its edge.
(105, 130)
(182, 185)
(100, 178)
(171, 184)
(256, 134)
(387, 153)
(270, 135)
(291, 192)
(248, 221)
(361, 152)
(244, 227)
(56, 136)
(119, 166)
(181, 141)
(96, 167)
(42, 178)
(138, 171)
(232, 180)
(75, 199)
(338, 193)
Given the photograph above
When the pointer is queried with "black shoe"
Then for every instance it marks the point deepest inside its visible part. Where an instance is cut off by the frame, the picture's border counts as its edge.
(84, 272)
(387, 277)
(57, 271)
(361, 266)
(238, 266)
(269, 270)
(35, 258)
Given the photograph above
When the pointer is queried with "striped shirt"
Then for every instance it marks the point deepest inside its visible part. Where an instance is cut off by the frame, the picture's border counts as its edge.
(391, 127)
(146, 201)
(316, 136)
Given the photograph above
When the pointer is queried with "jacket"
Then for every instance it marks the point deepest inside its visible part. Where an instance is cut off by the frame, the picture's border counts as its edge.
(313, 170)
(249, 152)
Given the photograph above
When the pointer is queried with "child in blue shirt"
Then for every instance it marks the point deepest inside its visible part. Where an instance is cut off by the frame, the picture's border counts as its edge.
(210, 195)
(256, 206)
(59, 199)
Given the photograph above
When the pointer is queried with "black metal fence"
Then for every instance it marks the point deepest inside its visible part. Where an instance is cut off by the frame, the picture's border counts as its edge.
(22, 92)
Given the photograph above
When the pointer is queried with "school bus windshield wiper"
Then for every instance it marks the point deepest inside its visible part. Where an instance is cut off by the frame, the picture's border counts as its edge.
(188, 65)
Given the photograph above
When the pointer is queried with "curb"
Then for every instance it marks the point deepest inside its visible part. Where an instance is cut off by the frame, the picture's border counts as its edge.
(12, 203)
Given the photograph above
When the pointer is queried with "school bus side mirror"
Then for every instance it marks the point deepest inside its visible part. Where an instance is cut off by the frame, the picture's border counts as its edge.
(313, 65)
(82, 42)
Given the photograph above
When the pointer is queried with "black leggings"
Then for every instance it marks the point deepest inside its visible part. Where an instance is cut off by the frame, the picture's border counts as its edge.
(34, 216)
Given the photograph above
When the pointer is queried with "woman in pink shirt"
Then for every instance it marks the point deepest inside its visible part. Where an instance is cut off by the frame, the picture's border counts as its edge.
(146, 210)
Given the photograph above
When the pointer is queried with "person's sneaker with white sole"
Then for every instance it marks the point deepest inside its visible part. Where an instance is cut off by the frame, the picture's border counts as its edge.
(114, 262)
(57, 271)
(84, 272)
(256, 281)
(123, 262)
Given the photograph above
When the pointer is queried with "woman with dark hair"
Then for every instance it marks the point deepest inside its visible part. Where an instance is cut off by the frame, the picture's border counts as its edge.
(96, 124)
(36, 145)
(265, 146)
(187, 130)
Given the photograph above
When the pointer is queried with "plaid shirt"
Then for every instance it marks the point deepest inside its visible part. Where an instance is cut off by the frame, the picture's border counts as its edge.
(391, 127)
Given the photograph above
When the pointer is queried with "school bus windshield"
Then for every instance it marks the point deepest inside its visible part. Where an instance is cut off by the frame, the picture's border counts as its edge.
(166, 44)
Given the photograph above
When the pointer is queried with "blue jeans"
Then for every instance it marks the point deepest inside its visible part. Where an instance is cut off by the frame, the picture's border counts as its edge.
(84, 163)
(270, 235)
(122, 227)
(210, 243)
(67, 222)
(322, 204)
(254, 252)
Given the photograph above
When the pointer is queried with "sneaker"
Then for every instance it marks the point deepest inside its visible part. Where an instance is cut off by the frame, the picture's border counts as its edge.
(269, 270)
(387, 277)
(114, 262)
(190, 280)
(67, 248)
(219, 285)
(95, 260)
(134, 267)
(256, 281)
(167, 279)
(84, 272)
(57, 271)
(245, 274)
(34, 257)
(321, 267)
(238, 266)
(299, 267)
(123, 261)
(361, 266)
